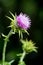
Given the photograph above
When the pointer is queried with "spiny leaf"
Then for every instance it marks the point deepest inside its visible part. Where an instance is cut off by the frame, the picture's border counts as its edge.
(19, 33)
(12, 14)
(9, 18)
(3, 35)
(26, 32)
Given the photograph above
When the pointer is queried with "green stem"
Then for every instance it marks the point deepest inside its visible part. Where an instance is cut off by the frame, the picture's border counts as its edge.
(5, 44)
(23, 56)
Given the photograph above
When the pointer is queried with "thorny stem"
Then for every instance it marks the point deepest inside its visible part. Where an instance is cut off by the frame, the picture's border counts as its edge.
(5, 44)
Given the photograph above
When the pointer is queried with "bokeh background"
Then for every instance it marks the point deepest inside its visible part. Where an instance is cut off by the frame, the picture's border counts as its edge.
(33, 8)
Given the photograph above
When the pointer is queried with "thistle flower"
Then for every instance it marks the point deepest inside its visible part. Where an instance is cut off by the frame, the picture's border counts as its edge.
(23, 21)
(28, 46)
(20, 24)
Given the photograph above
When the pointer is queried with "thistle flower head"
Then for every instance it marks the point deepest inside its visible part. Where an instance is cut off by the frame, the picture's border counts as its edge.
(23, 21)
(28, 46)
(19, 23)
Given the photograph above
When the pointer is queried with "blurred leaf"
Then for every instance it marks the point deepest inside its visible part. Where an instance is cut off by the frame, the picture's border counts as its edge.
(6, 63)
(12, 55)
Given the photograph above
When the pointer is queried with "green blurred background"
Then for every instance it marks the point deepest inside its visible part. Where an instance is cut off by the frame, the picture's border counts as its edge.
(33, 8)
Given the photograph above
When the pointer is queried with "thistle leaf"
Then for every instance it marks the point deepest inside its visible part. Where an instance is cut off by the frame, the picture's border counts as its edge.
(19, 33)
(26, 32)
(9, 18)
(3, 35)
(12, 14)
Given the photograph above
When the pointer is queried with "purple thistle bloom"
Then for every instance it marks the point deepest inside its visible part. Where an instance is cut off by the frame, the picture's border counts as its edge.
(23, 21)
